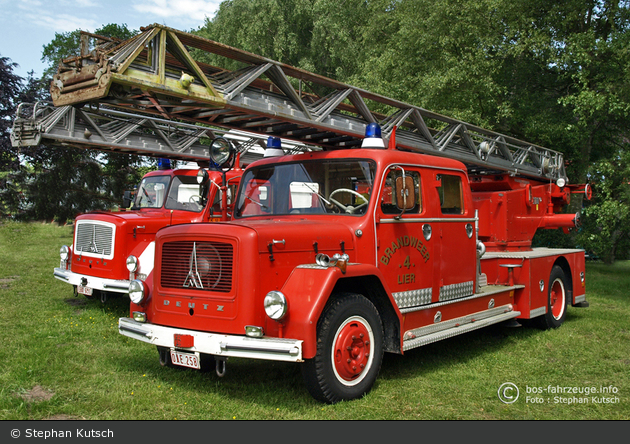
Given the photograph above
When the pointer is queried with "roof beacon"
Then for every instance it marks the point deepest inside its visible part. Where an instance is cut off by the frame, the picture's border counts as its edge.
(274, 147)
(164, 164)
(372, 137)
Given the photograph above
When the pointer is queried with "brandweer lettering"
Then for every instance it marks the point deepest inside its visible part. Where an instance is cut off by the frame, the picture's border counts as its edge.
(405, 241)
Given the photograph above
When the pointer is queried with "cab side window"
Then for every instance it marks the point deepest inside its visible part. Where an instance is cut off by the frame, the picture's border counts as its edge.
(389, 202)
(451, 194)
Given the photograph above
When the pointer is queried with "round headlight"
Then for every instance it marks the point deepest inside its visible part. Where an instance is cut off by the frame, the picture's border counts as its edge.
(64, 252)
(136, 291)
(275, 305)
(132, 263)
(221, 151)
(561, 182)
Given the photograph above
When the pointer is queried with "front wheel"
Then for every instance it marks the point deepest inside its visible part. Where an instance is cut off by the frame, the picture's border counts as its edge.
(556, 300)
(349, 350)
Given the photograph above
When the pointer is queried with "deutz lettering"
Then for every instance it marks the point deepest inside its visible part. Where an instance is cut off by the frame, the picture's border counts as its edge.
(405, 241)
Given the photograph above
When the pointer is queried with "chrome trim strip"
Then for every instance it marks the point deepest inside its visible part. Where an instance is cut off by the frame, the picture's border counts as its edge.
(427, 220)
(60, 275)
(124, 287)
(485, 291)
(537, 312)
(454, 327)
(579, 299)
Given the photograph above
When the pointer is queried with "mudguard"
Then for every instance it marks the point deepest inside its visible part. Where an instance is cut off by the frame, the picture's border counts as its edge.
(309, 288)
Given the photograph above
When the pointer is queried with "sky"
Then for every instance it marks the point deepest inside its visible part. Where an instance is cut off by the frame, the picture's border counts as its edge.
(27, 25)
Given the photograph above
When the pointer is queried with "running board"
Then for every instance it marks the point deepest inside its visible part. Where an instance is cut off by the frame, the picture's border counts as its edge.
(453, 327)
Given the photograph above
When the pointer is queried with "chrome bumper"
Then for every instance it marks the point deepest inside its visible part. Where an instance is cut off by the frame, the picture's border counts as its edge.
(113, 285)
(273, 349)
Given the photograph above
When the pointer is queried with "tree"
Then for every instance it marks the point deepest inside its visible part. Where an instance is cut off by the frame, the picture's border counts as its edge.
(10, 85)
(606, 231)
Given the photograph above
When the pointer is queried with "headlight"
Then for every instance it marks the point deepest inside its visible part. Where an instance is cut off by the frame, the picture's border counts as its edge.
(136, 291)
(132, 263)
(221, 151)
(275, 305)
(64, 252)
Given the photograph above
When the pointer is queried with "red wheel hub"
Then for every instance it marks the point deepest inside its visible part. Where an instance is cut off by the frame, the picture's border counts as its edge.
(556, 299)
(351, 350)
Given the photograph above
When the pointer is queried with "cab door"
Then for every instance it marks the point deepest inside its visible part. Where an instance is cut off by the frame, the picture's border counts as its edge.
(454, 236)
(405, 254)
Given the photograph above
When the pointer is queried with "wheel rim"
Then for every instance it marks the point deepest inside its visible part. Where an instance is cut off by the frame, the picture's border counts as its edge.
(352, 350)
(557, 299)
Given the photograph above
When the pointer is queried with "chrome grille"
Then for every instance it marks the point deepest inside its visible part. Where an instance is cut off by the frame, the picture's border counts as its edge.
(94, 238)
(197, 265)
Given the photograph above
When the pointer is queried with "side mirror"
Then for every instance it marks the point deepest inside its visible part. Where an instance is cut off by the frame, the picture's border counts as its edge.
(405, 193)
(127, 199)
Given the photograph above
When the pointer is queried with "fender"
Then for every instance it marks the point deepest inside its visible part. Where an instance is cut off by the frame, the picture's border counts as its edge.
(309, 288)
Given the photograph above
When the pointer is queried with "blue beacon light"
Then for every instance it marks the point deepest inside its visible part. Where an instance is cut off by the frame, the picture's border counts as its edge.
(373, 137)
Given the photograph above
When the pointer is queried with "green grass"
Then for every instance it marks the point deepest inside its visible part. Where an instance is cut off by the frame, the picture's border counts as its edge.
(71, 349)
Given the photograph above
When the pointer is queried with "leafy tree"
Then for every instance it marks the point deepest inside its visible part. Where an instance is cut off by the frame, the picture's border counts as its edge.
(606, 231)
(322, 36)
(10, 85)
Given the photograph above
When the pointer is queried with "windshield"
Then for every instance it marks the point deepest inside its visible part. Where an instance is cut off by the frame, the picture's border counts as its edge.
(184, 193)
(309, 187)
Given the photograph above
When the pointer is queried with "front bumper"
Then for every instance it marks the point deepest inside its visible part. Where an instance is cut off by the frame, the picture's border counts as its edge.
(273, 349)
(96, 283)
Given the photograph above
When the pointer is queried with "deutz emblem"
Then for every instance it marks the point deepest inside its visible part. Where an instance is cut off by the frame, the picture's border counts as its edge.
(193, 279)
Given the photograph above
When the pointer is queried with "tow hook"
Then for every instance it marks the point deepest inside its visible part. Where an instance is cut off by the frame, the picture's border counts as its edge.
(221, 367)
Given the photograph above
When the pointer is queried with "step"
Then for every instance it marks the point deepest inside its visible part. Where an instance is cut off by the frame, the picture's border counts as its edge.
(453, 327)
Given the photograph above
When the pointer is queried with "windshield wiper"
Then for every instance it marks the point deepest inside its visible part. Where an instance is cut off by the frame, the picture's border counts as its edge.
(264, 207)
(314, 191)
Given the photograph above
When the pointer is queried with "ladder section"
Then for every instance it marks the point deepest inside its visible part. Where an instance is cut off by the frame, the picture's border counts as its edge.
(124, 132)
(158, 71)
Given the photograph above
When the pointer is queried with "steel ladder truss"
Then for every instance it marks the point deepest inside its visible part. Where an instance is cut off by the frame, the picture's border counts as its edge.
(120, 131)
(158, 71)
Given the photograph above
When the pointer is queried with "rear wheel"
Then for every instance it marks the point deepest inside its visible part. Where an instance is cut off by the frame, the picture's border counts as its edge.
(556, 300)
(349, 350)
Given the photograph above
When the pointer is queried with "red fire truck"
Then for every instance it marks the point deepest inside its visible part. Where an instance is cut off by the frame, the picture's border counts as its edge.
(333, 258)
(391, 237)
(110, 249)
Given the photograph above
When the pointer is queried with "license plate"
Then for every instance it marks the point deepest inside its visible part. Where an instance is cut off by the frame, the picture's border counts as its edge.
(190, 360)
(84, 290)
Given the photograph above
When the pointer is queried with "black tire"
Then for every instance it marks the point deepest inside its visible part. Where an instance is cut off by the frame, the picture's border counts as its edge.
(556, 300)
(351, 329)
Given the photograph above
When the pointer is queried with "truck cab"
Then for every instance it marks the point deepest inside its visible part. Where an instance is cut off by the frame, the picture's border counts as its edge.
(112, 248)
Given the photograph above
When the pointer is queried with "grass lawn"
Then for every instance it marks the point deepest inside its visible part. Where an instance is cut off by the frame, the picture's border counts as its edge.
(63, 358)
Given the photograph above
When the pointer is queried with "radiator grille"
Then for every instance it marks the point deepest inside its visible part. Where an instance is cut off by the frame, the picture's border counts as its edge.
(197, 265)
(93, 238)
